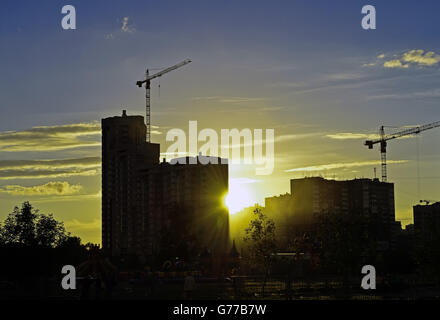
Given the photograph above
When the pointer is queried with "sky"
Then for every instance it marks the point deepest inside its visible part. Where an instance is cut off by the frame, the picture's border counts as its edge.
(303, 68)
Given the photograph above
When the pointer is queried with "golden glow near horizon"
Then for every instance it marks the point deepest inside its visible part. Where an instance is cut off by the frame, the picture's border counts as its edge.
(57, 166)
(238, 198)
(66, 181)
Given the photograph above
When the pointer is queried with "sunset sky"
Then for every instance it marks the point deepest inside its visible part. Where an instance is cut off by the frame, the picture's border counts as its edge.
(303, 68)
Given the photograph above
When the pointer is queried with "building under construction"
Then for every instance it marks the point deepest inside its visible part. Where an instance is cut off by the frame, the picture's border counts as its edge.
(427, 221)
(152, 209)
(297, 212)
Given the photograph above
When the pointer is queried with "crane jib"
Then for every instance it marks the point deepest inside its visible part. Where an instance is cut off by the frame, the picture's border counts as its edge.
(384, 138)
(147, 80)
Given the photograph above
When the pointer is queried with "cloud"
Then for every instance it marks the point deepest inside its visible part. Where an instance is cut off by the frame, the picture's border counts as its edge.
(50, 188)
(343, 81)
(47, 174)
(50, 138)
(277, 139)
(381, 56)
(228, 99)
(89, 162)
(416, 57)
(271, 109)
(54, 138)
(329, 80)
(286, 84)
(125, 26)
(243, 181)
(395, 64)
(289, 137)
(333, 166)
(74, 197)
(419, 57)
(28, 169)
(352, 136)
(412, 95)
(75, 225)
(343, 76)
(358, 136)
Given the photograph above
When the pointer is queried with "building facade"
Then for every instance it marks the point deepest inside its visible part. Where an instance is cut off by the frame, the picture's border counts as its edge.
(298, 211)
(125, 153)
(185, 209)
(427, 221)
(149, 207)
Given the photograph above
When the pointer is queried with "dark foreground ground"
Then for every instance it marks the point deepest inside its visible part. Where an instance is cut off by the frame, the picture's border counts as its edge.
(218, 289)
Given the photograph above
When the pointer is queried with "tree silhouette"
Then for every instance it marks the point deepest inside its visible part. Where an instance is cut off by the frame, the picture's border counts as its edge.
(19, 226)
(50, 232)
(345, 242)
(26, 226)
(260, 237)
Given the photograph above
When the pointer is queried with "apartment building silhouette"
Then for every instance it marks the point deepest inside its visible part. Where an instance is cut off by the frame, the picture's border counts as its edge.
(148, 206)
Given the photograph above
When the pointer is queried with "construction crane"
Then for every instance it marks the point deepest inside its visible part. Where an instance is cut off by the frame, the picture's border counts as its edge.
(147, 82)
(386, 137)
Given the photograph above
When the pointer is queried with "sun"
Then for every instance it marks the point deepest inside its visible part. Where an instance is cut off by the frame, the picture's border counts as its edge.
(238, 198)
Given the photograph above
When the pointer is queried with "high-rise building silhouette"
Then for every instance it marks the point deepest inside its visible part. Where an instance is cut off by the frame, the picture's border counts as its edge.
(124, 153)
(184, 206)
(427, 221)
(151, 208)
(297, 212)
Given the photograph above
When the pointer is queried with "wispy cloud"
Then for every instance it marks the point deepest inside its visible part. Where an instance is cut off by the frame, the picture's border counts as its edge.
(53, 138)
(363, 136)
(415, 57)
(75, 225)
(323, 81)
(395, 64)
(435, 93)
(343, 76)
(352, 136)
(10, 175)
(50, 188)
(375, 63)
(28, 169)
(243, 181)
(222, 99)
(421, 58)
(271, 109)
(289, 137)
(287, 84)
(338, 81)
(64, 198)
(342, 165)
(277, 139)
(405, 59)
(50, 138)
(89, 162)
(126, 26)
